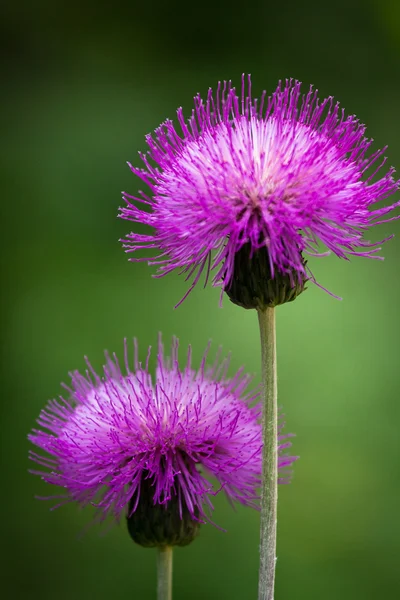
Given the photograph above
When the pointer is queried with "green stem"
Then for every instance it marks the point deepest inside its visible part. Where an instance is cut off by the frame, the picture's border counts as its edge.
(164, 573)
(269, 486)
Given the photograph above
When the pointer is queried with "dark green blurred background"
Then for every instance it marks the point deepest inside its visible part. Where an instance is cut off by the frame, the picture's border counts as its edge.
(82, 84)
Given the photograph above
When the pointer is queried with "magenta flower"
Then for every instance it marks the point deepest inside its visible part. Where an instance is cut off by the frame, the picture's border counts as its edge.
(282, 174)
(121, 437)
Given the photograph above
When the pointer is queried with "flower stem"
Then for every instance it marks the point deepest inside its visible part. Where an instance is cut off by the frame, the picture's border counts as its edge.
(269, 486)
(164, 573)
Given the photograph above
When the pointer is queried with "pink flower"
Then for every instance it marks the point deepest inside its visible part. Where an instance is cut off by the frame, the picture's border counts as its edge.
(123, 435)
(282, 174)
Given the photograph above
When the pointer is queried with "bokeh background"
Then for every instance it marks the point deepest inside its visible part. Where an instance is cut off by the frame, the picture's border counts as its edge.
(82, 83)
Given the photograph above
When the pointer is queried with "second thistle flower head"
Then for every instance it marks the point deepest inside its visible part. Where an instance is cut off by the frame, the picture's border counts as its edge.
(126, 444)
(268, 180)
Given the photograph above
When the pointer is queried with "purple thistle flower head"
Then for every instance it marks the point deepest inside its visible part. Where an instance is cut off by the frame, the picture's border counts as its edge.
(124, 443)
(280, 175)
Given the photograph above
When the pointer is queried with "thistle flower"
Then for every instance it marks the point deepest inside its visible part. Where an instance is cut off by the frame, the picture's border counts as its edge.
(126, 444)
(278, 176)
